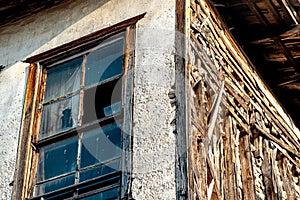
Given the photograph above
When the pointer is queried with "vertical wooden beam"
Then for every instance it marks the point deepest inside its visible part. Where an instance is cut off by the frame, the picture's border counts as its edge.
(36, 121)
(229, 182)
(286, 183)
(24, 155)
(181, 90)
(289, 176)
(247, 170)
(201, 170)
(267, 171)
(127, 100)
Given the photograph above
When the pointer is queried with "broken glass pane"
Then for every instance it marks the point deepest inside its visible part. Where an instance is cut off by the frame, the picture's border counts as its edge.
(100, 171)
(55, 185)
(63, 79)
(104, 63)
(57, 159)
(106, 195)
(100, 145)
(59, 116)
(103, 100)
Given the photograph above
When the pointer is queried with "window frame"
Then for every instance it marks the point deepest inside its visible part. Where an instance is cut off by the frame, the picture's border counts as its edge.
(27, 156)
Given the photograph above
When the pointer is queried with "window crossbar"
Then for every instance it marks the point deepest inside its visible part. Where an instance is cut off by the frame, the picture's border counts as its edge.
(106, 177)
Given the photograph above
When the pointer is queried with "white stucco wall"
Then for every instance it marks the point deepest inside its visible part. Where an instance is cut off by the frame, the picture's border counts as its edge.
(154, 142)
(12, 84)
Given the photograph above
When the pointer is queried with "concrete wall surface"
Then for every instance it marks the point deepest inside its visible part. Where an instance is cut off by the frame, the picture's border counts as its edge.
(154, 141)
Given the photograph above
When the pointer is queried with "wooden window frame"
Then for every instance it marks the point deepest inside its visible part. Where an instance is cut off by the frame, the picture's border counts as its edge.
(27, 155)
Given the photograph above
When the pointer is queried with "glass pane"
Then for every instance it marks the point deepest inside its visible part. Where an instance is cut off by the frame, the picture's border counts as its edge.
(100, 171)
(57, 159)
(100, 145)
(63, 79)
(59, 116)
(62, 195)
(104, 63)
(103, 100)
(112, 109)
(55, 185)
(106, 195)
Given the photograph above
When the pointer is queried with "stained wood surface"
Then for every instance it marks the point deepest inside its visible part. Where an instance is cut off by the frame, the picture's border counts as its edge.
(250, 150)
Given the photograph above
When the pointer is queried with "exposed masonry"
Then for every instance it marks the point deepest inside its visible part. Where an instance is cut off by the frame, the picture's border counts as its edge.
(253, 152)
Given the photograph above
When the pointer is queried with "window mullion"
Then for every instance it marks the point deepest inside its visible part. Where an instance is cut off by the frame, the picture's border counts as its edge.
(78, 157)
(78, 161)
(80, 114)
(83, 69)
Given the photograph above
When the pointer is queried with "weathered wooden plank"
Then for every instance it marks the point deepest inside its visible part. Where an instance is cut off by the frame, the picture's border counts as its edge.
(127, 99)
(215, 191)
(233, 113)
(267, 171)
(248, 103)
(285, 182)
(247, 171)
(288, 179)
(284, 152)
(279, 142)
(181, 93)
(202, 170)
(234, 93)
(230, 186)
(21, 187)
(275, 175)
(245, 73)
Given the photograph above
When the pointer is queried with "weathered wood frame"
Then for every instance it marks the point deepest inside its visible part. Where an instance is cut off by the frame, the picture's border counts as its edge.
(181, 93)
(27, 155)
(257, 138)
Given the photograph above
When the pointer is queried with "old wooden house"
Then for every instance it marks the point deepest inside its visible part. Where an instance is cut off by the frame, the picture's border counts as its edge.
(149, 99)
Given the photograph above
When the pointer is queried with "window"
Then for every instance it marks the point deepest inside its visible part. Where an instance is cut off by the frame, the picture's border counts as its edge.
(76, 119)
(80, 132)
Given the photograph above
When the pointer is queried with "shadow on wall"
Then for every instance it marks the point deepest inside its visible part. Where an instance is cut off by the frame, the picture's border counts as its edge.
(37, 33)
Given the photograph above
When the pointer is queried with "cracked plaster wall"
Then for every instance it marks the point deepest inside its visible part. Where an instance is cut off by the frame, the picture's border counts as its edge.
(154, 141)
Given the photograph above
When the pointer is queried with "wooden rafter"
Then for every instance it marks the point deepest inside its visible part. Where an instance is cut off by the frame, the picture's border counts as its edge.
(254, 8)
(274, 11)
(284, 50)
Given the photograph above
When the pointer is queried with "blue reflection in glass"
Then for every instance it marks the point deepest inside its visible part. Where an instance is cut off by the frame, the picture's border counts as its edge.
(106, 195)
(55, 184)
(57, 159)
(112, 109)
(100, 171)
(104, 63)
(100, 145)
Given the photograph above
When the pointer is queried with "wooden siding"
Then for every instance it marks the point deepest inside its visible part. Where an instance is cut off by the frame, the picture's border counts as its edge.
(240, 147)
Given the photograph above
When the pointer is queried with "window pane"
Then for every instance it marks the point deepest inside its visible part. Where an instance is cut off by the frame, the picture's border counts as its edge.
(59, 116)
(103, 100)
(100, 145)
(55, 185)
(100, 171)
(57, 159)
(63, 195)
(104, 63)
(106, 195)
(63, 79)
